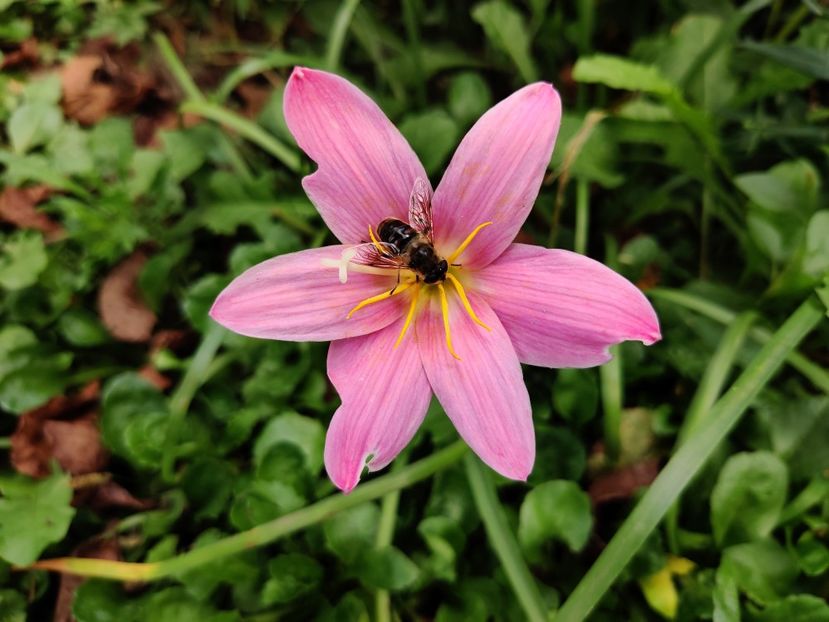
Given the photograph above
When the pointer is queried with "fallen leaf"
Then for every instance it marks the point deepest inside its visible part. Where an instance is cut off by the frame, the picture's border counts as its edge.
(105, 80)
(63, 429)
(623, 482)
(18, 207)
(112, 495)
(94, 549)
(26, 53)
(123, 311)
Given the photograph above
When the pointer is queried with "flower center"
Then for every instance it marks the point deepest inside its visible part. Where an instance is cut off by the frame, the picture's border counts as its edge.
(413, 281)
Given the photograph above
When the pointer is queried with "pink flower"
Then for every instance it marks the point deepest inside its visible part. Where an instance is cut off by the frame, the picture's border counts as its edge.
(464, 339)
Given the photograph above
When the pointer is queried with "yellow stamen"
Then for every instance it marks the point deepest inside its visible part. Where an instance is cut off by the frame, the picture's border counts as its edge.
(375, 241)
(465, 301)
(444, 309)
(409, 315)
(451, 259)
(402, 287)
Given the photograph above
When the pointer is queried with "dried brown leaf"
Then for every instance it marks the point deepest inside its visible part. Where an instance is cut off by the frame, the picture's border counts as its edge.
(95, 549)
(123, 311)
(18, 207)
(623, 482)
(63, 429)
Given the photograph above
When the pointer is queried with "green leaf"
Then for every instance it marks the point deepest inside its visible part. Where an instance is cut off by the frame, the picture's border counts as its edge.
(186, 149)
(505, 28)
(208, 484)
(556, 510)
(810, 61)
(621, 73)
(12, 606)
(576, 395)
(748, 497)
(176, 605)
(352, 531)
(561, 455)
(387, 569)
(812, 554)
(101, 601)
(816, 258)
(763, 570)
(23, 259)
(433, 135)
(241, 572)
(469, 97)
(446, 541)
(82, 328)
(796, 608)
(797, 430)
(292, 576)
(69, 151)
(306, 433)
(29, 373)
(134, 419)
(199, 298)
(33, 124)
(33, 515)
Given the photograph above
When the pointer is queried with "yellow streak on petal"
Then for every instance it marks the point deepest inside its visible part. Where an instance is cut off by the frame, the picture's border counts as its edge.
(467, 242)
(409, 315)
(402, 287)
(444, 309)
(465, 301)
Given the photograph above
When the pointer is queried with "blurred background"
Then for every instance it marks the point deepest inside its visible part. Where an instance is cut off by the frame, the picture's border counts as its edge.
(145, 162)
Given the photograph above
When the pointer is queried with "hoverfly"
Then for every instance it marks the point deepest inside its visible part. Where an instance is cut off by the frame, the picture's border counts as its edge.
(409, 245)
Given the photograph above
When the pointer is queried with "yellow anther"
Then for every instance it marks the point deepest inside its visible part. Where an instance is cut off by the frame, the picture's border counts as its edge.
(375, 241)
(409, 315)
(444, 309)
(402, 287)
(451, 259)
(465, 301)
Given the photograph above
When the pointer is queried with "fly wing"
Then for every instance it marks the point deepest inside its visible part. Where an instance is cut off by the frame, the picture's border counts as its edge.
(420, 209)
(379, 255)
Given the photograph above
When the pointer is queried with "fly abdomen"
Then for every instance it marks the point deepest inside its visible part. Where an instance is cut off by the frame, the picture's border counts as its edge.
(396, 232)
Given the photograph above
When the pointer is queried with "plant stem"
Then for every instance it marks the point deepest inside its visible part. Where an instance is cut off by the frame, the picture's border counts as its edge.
(612, 386)
(503, 541)
(193, 378)
(709, 389)
(582, 215)
(248, 129)
(336, 39)
(815, 373)
(687, 461)
(262, 534)
(192, 92)
(385, 535)
(410, 21)
(176, 67)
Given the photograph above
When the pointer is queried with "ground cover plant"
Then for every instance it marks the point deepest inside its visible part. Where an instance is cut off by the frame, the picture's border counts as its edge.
(161, 467)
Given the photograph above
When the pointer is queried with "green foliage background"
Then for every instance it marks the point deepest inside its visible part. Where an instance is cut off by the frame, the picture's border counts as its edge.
(691, 158)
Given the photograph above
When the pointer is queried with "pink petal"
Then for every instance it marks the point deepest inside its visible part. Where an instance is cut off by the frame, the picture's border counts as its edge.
(297, 297)
(483, 393)
(385, 396)
(562, 309)
(496, 173)
(366, 168)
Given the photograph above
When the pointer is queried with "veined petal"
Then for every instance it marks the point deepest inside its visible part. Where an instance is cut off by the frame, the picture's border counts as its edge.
(562, 309)
(484, 392)
(385, 396)
(366, 168)
(496, 173)
(298, 297)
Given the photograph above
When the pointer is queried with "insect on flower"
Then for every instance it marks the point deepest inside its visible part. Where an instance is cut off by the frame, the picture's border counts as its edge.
(428, 294)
